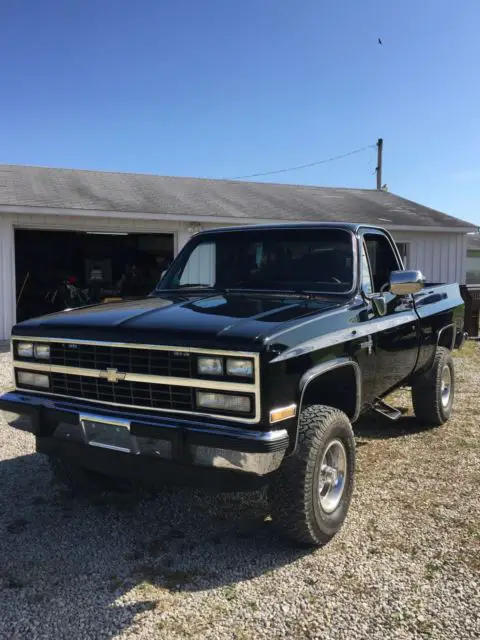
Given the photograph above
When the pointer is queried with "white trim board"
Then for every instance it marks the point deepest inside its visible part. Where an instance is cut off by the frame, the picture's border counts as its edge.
(230, 220)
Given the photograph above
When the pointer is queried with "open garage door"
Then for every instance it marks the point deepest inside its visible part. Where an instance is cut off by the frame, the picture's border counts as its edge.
(59, 269)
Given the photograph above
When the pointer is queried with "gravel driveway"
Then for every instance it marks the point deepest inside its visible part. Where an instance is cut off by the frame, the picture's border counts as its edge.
(187, 564)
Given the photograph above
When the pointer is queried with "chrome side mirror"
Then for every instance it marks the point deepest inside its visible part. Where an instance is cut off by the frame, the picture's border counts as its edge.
(403, 283)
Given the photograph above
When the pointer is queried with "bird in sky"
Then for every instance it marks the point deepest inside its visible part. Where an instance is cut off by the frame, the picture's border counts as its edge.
(380, 41)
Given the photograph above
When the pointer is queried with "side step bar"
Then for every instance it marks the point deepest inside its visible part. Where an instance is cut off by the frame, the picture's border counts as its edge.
(380, 406)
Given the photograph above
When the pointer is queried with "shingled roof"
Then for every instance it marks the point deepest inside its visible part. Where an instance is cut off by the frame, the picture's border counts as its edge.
(72, 189)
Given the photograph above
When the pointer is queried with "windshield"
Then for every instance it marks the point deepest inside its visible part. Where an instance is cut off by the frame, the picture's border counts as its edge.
(316, 260)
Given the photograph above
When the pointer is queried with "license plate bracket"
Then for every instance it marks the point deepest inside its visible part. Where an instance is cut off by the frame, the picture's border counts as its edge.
(107, 433)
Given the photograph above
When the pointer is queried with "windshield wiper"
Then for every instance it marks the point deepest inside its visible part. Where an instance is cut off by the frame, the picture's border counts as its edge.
(276, 292)
(196, 285)
(244, 290)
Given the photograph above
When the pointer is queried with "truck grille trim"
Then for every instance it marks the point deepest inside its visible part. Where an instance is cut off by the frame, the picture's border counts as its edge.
(154, 377)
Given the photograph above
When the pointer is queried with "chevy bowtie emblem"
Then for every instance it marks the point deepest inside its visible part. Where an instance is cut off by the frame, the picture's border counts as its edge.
(112, 375)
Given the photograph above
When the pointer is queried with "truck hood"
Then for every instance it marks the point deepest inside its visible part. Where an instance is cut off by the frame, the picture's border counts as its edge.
(183, 320)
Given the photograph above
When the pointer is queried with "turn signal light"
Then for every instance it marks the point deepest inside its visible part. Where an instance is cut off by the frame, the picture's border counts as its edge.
(276, 415)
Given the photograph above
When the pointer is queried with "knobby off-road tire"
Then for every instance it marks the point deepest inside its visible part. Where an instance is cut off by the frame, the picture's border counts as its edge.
(77, 478)
(433, 392)
(299, 492)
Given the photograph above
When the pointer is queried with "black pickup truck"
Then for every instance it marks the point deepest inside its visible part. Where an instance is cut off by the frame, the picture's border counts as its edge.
(251, 360)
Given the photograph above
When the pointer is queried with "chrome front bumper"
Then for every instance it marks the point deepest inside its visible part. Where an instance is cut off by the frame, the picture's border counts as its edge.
(216, 445)
(259, 464)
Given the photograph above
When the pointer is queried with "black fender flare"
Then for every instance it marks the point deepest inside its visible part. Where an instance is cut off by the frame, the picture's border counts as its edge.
(447, 327)
(325, 367)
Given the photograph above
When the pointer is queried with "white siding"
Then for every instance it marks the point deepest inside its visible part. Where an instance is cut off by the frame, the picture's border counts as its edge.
(440, 256)
(182, 238)
(90, 223)
(7, 277)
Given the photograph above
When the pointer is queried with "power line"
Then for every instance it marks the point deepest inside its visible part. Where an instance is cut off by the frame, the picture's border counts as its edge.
(305, 166)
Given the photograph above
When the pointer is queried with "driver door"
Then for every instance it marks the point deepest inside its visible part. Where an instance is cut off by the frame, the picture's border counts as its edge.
(395, 334)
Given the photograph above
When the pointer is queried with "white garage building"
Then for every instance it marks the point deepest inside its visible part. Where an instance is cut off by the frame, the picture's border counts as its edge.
(44, 210)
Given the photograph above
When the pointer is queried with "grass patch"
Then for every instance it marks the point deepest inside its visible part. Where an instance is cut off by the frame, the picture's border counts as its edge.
(176, 579)
(431, 570)
(473, 530)
(115, 583)
(471, 348)
(230, 592)
(463, 443)
(171, 579)
(148, 589)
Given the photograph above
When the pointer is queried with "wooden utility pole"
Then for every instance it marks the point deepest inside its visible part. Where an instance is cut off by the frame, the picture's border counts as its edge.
(379, 163)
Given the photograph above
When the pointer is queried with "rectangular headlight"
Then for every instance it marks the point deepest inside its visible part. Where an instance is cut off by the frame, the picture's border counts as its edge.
(42, 351)
(240, 367)
(210, 366)
(223, 402)
(31, 379)
(25, 349)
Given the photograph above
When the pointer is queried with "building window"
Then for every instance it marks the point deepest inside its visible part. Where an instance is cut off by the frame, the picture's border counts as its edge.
(403, 249)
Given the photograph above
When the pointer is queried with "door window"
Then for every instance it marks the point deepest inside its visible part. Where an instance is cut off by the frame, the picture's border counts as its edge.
(382, 259)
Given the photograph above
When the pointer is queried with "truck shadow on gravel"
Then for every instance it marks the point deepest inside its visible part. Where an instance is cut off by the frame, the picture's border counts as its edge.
(99, 560)
(376, 427)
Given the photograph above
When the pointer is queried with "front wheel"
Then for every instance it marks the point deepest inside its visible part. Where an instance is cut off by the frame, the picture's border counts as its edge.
(311, 493)
(433, 392)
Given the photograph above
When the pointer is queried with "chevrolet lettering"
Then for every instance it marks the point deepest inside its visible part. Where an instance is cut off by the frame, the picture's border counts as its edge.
(246, 366)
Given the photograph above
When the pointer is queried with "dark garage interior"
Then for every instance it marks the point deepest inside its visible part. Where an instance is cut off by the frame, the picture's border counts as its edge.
(59, 269)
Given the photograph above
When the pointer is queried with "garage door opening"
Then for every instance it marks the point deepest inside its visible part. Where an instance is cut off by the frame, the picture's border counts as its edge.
(60, 269)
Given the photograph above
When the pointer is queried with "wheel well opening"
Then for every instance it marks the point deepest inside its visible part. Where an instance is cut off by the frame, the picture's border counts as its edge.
(445, 339)
(336, 388)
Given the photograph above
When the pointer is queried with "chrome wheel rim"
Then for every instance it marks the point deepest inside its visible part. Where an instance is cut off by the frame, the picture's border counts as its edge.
(446, 388)
(333, 471)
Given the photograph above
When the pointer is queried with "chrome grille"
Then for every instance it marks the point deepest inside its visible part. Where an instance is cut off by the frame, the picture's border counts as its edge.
(146, 361)
(154, 396)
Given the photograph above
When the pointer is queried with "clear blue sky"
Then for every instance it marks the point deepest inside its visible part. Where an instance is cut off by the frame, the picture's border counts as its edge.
(223, 88)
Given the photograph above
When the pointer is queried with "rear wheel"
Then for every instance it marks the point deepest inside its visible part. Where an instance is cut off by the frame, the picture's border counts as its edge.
(433, 392)
(311, 493)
